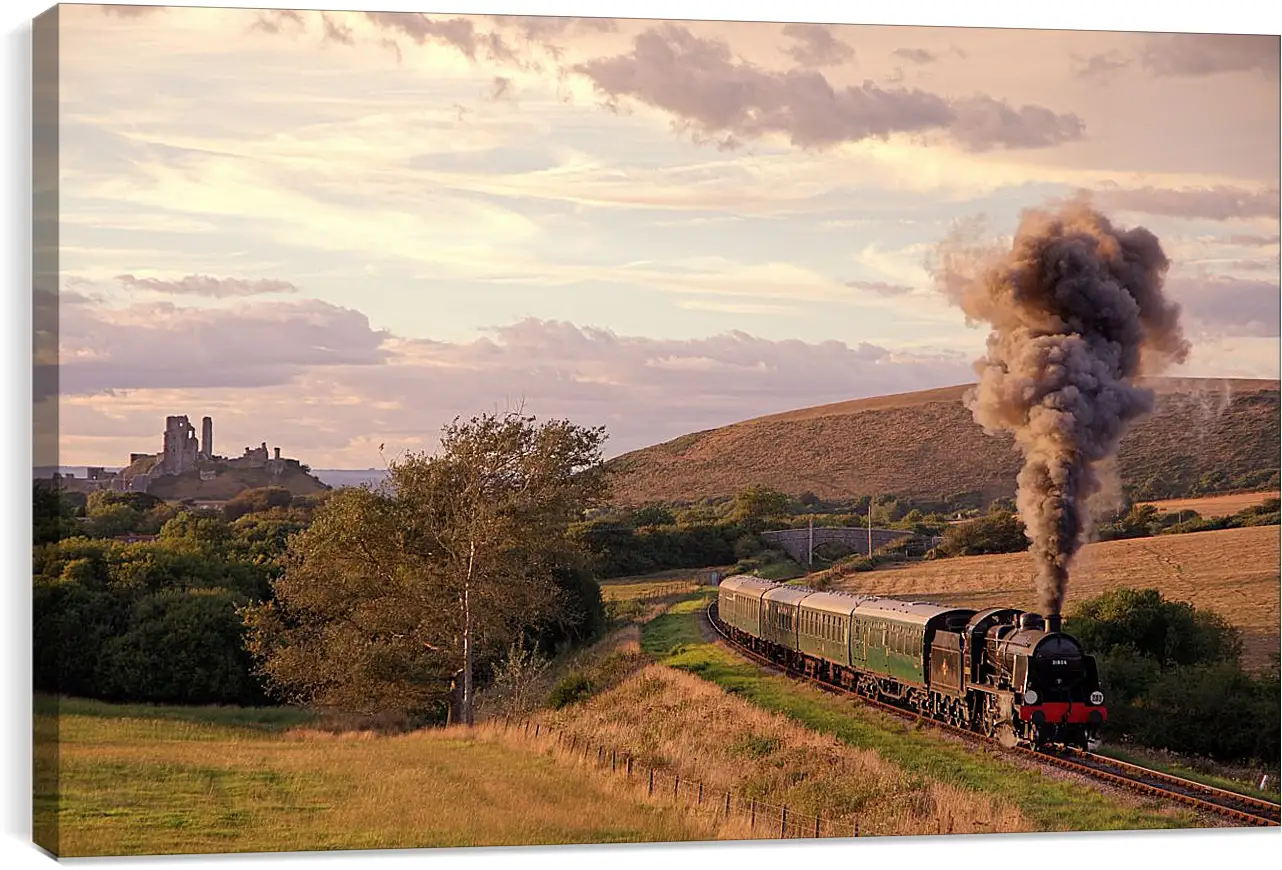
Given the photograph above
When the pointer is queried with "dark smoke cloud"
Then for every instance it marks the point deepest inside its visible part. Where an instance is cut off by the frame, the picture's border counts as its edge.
(1077, 311)
(816, 46)
(713, 94)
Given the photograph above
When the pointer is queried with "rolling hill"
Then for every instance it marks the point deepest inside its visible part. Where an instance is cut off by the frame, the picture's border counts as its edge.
(926, 446)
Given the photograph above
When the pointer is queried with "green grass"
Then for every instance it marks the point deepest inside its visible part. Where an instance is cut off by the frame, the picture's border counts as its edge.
(1189, 773)
(137, 780)
(260, 718)
(1051, 803)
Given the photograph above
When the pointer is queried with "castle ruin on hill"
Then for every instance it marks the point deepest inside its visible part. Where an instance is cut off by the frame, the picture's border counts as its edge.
(183, 452)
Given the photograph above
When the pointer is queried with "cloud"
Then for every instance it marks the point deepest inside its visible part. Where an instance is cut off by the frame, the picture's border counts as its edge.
(276, 21)
(163, 346)
(129, 11)
(881, 287)
(1229, 306)
(458, 32)
(207, 285)
(542, 28)
(1254, 241)
(982, 123)
(1204, 54)
(711, 93)
(816, 46)
(916, 55)
(337, 31)
(1099, 66)
(1221, 202)
(332, 408)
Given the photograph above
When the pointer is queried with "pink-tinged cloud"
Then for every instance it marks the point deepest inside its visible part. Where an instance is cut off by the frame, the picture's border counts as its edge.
(1219, 306)
(815, 45)
(1204, 54)
(1221, 202)
(162, 346)
(208, 285)
(711, 93)
(284, 361)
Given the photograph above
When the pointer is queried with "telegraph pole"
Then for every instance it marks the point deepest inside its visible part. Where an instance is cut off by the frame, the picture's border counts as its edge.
(869, 527)
(810, 548)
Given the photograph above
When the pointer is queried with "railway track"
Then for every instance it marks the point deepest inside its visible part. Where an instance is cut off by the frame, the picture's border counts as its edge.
(1220, 802)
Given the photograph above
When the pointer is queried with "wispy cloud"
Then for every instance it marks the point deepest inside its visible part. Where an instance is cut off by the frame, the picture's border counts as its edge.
(815, 45)
(207, 285)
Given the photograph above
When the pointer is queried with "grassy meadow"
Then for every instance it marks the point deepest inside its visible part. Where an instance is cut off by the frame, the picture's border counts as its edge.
(140, 781)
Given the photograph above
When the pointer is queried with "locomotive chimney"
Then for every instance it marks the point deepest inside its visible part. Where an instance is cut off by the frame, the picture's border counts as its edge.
(1053, 622)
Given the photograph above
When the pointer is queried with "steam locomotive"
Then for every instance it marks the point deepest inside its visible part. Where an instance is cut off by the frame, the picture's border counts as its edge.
(1006, 673)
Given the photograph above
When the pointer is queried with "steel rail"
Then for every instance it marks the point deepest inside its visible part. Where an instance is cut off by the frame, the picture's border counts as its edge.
(1221, 802)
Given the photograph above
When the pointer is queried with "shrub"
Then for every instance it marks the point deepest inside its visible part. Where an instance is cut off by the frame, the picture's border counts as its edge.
(1173, 679)
(999, 532)
(570, 689)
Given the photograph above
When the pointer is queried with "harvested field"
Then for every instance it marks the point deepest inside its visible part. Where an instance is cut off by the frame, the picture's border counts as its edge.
(1234, 572)
(1215, 505)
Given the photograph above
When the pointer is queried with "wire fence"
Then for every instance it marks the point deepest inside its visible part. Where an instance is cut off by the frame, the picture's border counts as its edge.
(765, 820)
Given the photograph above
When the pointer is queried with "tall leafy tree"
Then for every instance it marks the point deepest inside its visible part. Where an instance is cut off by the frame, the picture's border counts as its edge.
(394, 592)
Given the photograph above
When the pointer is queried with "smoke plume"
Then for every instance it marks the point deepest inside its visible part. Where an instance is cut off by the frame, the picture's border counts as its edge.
(1077, 313)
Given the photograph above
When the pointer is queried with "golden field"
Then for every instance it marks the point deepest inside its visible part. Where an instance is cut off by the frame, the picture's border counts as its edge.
(1215, 505)
(1233, 571)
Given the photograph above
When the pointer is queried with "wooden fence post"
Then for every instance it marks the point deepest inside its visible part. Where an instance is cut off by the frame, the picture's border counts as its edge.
(629, 765)
(700, 800)
(753, 824)
(651, 780)
(727, 805)
(676, 784)
(816, 827)
(783, 823)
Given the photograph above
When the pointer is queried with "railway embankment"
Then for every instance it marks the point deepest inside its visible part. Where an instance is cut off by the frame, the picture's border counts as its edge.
(705, 713)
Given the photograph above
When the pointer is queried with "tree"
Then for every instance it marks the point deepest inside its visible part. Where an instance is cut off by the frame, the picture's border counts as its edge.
(395, 590)
(759, 502)
(652, 515)
(1142, 622)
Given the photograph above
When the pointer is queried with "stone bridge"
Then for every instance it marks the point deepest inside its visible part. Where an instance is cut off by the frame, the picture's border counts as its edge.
(797, 543)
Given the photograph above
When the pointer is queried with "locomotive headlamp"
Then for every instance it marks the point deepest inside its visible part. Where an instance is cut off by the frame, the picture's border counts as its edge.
(1097, 697)
(1030, 696)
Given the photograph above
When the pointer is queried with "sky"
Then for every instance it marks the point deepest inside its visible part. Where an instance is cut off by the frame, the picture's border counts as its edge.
(336, 231)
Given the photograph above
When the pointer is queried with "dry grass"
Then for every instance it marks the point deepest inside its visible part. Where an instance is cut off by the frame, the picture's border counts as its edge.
(137, 786)
(926, 445)
(685, 725)
(1234, 572)
(1215, 505)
